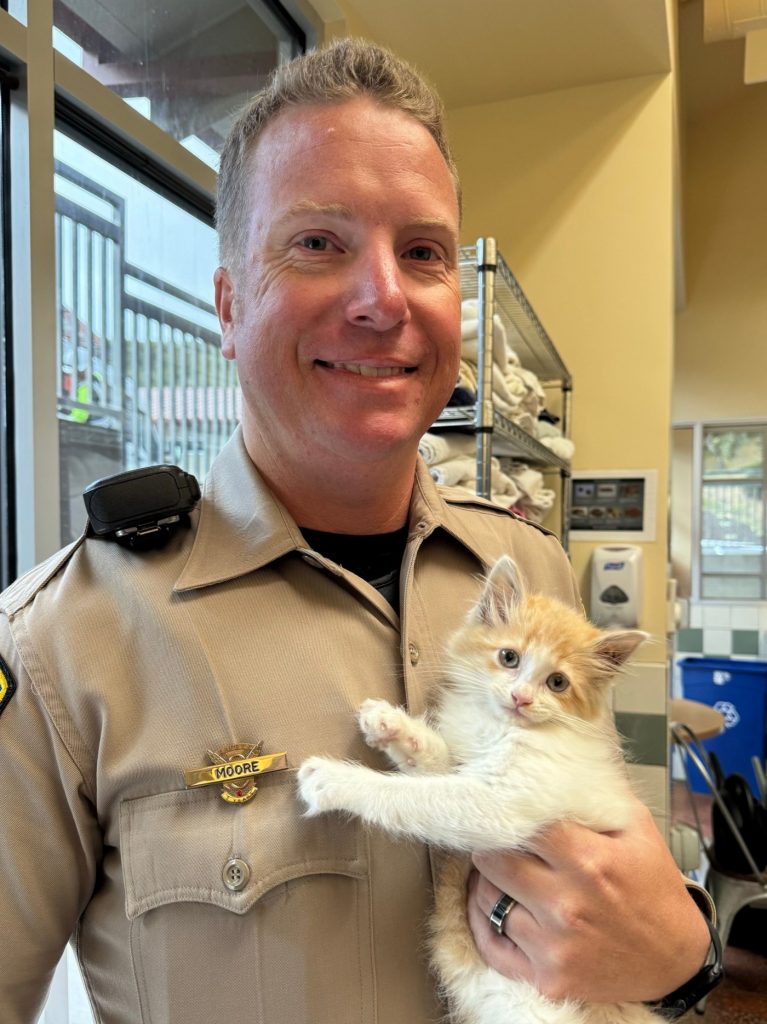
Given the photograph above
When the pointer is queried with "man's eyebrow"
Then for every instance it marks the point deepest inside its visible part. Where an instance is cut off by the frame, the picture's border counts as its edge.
(345, 213)
(433, 223)
(310, 206)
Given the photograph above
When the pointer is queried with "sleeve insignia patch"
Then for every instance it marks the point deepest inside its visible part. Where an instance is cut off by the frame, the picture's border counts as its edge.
(7, 685)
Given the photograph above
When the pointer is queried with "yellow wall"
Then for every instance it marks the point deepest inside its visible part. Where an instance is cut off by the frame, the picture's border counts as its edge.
(577, 187)
(721, 347)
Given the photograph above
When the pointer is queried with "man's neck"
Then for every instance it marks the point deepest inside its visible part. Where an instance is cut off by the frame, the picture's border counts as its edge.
(353, 498)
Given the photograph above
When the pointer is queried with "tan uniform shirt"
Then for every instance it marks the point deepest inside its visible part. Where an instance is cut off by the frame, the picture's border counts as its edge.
(130, 667)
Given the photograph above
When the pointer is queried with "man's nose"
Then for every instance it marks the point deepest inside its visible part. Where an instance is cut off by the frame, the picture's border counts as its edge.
(377, 296)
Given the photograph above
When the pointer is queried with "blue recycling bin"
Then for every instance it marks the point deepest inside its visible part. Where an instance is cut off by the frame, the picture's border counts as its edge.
(738, 690)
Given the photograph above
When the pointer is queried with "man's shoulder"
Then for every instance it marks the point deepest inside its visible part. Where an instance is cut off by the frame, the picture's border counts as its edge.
(23, 590)
(93, 564)
(465, 504)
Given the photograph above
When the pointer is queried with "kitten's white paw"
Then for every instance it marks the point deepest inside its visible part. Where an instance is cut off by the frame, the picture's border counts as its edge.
(318, 779)
(381, 723)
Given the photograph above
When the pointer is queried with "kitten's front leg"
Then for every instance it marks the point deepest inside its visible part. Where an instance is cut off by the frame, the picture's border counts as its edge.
(453, 810)
(326, 784)
(409, 743)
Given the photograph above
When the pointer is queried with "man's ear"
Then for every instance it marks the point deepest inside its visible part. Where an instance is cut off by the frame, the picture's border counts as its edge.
(224, 293)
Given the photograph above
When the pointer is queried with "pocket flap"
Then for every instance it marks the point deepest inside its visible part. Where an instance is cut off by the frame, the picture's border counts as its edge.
(176, 845)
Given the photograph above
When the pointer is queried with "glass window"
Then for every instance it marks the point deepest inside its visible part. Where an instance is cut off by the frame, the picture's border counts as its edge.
(733, 531)
(16, 8)
(140, 376)
(186, 65)
(7, 497)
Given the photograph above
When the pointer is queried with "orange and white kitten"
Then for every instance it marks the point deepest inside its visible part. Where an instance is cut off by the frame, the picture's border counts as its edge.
(523, 736)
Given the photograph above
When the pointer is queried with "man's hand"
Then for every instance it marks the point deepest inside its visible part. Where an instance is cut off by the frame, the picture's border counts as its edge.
(599, 917)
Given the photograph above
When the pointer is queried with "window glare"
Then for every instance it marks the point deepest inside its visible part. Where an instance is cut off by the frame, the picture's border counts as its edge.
(185, 69)
(71, 50)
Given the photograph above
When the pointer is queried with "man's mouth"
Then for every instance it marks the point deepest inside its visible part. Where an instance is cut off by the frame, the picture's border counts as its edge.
(367, 371)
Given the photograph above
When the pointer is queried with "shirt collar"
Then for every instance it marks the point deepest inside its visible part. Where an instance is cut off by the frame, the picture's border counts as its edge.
(242, 526)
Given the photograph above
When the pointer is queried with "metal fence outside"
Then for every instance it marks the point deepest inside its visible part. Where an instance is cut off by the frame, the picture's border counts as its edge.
(141, 380)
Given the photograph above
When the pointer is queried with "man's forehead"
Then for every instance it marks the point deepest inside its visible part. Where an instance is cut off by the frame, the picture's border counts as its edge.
(359, 119)
(293, 174)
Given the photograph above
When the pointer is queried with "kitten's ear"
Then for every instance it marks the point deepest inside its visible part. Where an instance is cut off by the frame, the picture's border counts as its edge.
(501, 593)
(614, 648)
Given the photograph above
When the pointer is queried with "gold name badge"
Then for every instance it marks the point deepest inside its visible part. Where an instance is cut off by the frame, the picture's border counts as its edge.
(234, 768)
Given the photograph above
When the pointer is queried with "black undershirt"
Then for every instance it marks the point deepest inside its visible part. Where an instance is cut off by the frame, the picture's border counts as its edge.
(375, 557)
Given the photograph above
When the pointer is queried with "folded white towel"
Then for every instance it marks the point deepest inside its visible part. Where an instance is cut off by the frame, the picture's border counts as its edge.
(527, 387)
(470, 342)
(545, 429)
(529, 480)
(433, 448)
(456, 471)
(467, 375)
(436, 448)
(561, 446)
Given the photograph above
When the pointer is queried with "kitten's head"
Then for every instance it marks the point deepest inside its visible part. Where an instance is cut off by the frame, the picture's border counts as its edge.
(533, 659)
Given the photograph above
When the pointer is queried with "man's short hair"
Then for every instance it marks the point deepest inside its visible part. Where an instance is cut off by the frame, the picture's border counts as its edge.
(341, 71)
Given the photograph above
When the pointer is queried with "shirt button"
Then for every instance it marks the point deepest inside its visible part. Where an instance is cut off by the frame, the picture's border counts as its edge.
(415, 654)
(236, 874)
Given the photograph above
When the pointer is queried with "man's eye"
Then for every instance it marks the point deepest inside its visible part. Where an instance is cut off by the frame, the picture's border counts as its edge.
(423, 253)
(315, 242)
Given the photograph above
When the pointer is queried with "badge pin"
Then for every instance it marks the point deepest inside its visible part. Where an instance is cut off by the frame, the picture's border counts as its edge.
(235, 768)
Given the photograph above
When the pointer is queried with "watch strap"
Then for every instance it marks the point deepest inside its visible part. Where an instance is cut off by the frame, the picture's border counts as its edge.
(678, 1002)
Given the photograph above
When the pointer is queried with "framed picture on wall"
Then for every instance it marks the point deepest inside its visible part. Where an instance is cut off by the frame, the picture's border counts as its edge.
(613, 504)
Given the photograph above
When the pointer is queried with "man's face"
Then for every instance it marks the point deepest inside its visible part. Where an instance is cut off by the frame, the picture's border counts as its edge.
(344, 318)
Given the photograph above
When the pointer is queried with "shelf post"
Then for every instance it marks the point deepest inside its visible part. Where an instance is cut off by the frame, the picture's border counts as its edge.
(487, 263)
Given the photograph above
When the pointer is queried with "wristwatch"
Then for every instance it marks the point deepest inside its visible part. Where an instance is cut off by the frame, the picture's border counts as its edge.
(678, 1002)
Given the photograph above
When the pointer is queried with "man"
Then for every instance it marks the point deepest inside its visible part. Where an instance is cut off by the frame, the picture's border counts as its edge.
(323, 567)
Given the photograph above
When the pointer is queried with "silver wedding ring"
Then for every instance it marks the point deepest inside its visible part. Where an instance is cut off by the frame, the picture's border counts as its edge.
(500, 912)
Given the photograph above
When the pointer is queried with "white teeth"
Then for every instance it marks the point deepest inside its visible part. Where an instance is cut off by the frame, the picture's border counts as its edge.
(368, 371)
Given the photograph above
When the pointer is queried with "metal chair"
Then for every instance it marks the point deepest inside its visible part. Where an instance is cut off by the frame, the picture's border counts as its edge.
(729, 892)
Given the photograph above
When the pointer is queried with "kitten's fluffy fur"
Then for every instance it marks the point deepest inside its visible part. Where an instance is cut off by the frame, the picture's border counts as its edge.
(511, 748)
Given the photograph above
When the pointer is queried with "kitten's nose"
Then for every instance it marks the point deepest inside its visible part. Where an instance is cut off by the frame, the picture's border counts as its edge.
(522, 696)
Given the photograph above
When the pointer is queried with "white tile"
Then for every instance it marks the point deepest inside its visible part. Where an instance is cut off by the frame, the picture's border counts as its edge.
(745, 617)
(641, 689)
(717, 641)
(717, 615)
(696, 616)
(651, 785)
(676, 679)
(763, 616)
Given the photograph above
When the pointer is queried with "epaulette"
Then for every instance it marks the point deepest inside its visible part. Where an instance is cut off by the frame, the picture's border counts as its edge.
(454, 496)
(22, 590)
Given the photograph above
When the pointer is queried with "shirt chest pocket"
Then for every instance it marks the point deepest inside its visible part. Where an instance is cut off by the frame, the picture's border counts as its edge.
(248, 911)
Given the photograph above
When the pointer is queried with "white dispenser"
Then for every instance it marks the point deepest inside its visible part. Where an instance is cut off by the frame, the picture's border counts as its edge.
(616, 585)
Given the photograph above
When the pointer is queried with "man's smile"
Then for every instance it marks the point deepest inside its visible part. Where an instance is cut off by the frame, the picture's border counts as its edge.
(366, 370)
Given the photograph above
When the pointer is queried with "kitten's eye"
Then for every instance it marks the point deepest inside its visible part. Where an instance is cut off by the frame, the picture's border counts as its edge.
(557, 682)
(507, 658)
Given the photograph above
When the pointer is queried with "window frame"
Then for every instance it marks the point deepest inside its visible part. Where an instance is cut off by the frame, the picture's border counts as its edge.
(699, 427)
(8, 83)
